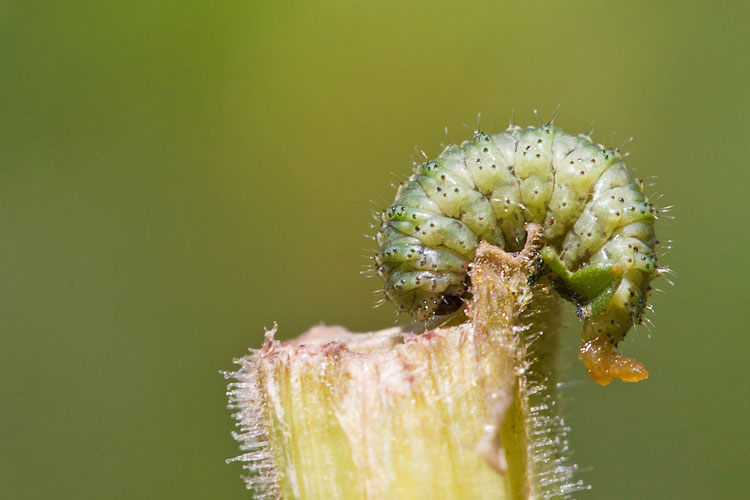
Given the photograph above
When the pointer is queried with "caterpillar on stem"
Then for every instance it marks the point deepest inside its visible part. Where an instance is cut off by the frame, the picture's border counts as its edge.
(598, 230)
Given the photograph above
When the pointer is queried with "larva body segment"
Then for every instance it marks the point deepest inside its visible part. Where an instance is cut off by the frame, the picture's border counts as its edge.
(597, 226)
(534, 170)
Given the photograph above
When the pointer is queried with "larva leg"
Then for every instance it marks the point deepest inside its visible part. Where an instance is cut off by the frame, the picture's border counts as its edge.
(597, 289)
(591, 287)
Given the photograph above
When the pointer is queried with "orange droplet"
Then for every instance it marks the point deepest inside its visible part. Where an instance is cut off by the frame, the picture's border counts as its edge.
(603, 363)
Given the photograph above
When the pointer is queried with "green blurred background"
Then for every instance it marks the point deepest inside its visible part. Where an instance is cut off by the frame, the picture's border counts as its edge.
(176, 176)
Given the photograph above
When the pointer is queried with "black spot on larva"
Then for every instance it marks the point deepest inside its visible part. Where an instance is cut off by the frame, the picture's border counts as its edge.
(448, 304)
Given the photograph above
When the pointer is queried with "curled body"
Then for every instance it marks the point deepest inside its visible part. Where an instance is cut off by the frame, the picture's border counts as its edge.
(597, 224)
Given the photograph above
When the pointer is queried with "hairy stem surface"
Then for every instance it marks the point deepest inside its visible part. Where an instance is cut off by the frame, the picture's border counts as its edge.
(455, 412)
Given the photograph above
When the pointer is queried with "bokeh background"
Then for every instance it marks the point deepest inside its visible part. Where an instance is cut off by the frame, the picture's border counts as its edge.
(176, 176)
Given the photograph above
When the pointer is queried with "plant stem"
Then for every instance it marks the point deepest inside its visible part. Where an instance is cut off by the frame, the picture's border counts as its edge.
(460, 411)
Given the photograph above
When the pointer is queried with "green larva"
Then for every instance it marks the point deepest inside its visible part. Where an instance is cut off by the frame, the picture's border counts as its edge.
(598, 225)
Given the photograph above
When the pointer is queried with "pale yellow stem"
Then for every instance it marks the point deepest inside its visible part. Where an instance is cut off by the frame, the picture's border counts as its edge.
(464, 411)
